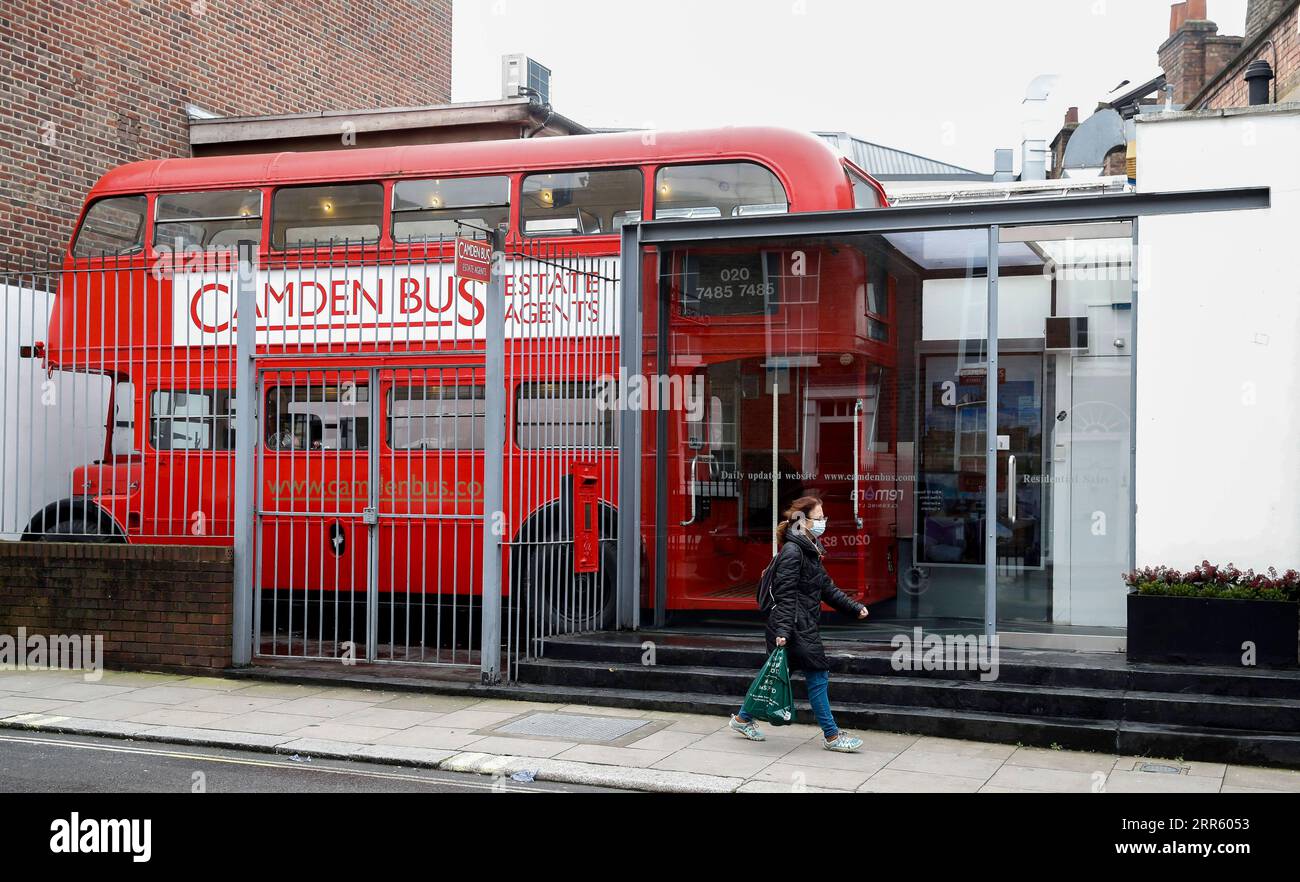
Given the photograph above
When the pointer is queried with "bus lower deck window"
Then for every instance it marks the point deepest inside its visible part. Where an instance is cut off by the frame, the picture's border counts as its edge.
(436, 417)
(192, 420)
(557, 415)
(331, 416)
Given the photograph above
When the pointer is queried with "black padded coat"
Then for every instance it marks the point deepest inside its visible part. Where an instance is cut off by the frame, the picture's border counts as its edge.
(800, 586)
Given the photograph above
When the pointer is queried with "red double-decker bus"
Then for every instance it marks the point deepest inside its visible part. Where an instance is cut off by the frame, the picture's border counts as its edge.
(373, 404)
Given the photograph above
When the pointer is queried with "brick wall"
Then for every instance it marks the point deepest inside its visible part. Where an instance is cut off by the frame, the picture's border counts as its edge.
(1230, 90)
(87, 86)
(158, 607)
(1260, 14)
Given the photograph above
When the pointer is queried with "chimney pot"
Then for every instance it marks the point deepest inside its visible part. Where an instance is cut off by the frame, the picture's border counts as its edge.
(1072, 116)
(1177, 17)
(1196, 11)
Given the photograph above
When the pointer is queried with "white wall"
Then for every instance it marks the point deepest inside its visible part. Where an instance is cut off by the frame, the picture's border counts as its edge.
(49, 425)
(958, 309)
(1218, 403)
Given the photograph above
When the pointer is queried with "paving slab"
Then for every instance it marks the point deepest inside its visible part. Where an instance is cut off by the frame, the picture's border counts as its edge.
(170, 716)
(432, 737)
(26, 704)
(797, 777)
(170, 694)
(1283, 780)
(325, 705)
(333, 730)
(1155, 782)
(390, 718)
(712, 762)
(950, 763)
(270, 723)
(901, 781)
(1063, 760)
(1048, 780)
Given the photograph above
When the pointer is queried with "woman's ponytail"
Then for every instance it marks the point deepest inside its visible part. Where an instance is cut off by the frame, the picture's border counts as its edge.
(800, 507)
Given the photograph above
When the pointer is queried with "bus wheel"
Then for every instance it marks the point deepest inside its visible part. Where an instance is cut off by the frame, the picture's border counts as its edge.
(560, 601)
(81, 529)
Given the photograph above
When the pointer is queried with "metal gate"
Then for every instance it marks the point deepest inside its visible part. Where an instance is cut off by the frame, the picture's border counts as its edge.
(559, 373)
(435, 488)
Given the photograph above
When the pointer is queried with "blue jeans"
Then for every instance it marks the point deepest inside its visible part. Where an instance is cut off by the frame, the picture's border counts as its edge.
(818, 682)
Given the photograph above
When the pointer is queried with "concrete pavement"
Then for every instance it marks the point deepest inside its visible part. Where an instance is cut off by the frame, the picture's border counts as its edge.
(573, 744)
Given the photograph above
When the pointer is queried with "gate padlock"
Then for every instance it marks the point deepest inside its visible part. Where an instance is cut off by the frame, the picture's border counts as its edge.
(370, 516)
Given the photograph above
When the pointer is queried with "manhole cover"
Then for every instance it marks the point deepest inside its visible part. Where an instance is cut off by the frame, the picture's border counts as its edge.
(1160, 769)
(572, 726)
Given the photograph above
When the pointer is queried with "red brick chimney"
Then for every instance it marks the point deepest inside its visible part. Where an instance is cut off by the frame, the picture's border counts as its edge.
(1194, 52)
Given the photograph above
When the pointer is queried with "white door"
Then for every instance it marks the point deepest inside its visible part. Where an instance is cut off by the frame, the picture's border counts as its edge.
(1100, 520)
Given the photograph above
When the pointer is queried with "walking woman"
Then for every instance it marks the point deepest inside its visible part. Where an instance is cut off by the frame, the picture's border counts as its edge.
(800, 586)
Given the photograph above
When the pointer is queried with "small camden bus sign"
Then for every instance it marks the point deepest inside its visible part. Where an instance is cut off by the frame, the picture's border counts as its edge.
(473, 260)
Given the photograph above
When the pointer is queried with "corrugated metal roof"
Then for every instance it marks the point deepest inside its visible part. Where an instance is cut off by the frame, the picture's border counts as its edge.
(887, 162)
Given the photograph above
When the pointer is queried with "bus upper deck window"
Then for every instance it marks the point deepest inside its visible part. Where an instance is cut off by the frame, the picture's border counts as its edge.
(435, 209)
(112, 226)
(208, 221)
(864, 195)
(725, 189)
(585, 203)
(323, 217)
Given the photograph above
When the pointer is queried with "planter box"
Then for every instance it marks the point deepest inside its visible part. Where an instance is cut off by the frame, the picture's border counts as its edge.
(1202, 631)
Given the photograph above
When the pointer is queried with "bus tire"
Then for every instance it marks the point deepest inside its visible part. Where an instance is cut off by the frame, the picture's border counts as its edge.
(80, 530)
(73, 521)
(551, 596)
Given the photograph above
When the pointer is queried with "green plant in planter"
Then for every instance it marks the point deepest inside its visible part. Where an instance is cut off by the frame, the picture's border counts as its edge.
(1211, 581)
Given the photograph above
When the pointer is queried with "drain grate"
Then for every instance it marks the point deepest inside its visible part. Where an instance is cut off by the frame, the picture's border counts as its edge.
(572, 726)
(1160, 769)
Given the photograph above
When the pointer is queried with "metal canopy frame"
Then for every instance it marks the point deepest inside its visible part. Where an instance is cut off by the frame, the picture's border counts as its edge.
(636, 236)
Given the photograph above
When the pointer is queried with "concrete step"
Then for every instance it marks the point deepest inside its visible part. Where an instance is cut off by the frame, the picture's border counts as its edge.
(1209, 712)
(1054, 669)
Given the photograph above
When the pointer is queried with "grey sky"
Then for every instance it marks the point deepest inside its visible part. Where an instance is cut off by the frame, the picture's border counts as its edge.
(943, 78)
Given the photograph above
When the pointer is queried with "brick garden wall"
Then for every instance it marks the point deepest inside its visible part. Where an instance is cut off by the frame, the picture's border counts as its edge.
(87, 85)
(158, 607)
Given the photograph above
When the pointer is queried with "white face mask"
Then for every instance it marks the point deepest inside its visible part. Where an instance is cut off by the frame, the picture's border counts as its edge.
(817, 527)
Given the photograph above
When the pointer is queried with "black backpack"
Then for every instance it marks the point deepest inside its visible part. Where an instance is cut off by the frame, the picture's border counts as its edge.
(765, 596)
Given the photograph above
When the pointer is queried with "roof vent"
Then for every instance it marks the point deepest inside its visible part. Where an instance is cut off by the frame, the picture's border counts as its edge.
(1004, 164)
(1258, 76)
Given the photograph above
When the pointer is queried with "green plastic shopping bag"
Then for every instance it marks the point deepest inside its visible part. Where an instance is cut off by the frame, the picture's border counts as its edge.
(770, 698)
